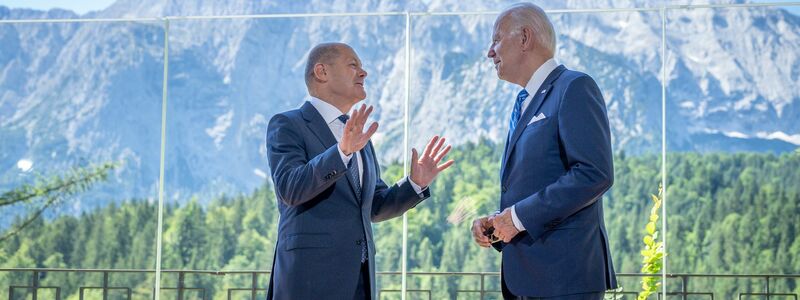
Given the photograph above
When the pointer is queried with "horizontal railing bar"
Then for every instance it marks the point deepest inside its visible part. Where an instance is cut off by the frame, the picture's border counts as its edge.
(214, 272)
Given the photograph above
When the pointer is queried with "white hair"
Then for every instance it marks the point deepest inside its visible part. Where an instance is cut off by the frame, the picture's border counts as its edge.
(527, 14)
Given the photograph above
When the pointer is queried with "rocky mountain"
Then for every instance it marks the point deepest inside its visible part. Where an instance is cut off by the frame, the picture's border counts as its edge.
(75, 93)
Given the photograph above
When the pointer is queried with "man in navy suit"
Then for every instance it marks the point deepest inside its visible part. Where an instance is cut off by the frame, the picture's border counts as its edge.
(556, 166)
(328, 185)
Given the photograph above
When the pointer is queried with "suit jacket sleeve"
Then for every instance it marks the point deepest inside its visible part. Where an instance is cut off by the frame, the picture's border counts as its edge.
(391, 202)
(297, 179)
(584, 135)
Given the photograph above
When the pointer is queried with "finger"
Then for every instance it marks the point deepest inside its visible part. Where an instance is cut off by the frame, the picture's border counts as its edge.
(360, 121)
(438, 147)
(477, 234)
(481, 243)
(362, 114)
(372, 129)
(414, 156)
(445, 165)
(500, 234)
(368, 112)
(485, 223)
(430, 146)
(439, 157)
(347, 134)
(365, 115)
(353, 117)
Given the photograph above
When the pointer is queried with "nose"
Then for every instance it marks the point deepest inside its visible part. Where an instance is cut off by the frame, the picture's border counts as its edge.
(491, 53)
(362, 73)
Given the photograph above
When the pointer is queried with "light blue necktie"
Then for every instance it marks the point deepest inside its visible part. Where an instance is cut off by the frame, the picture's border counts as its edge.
(515, 114)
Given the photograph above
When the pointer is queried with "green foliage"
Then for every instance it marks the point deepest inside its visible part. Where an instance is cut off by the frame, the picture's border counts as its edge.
(46, 192)
(727, 214)
(653, 253)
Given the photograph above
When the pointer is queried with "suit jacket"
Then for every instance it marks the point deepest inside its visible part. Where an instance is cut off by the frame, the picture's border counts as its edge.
(555, 170)
(323, 223)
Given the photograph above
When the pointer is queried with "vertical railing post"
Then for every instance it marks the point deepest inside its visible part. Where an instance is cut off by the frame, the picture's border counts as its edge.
(768, 292)
(105, 285)
(684, 287)
(253, 286)
(180, 285)
(35, 285)
(483, 287)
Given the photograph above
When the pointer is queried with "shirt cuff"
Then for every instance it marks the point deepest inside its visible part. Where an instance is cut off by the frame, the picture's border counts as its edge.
(345, 158)
(515, 219)
(416, 187)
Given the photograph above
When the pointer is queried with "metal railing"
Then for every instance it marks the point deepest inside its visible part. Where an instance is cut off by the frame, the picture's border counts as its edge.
(480, 291)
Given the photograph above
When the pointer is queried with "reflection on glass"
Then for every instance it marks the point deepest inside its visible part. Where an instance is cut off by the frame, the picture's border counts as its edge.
(454, 81)
(80, 120)
(732, 140)
(223, 213)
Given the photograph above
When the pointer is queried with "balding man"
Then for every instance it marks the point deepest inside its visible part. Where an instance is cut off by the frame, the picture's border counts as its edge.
(328, 185)
(556, 166)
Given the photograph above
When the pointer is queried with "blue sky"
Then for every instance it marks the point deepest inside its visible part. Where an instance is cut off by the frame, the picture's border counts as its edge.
(84, 6)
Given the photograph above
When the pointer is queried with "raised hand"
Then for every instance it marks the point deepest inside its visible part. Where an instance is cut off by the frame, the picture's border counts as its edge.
(354, 137)
(424, 169)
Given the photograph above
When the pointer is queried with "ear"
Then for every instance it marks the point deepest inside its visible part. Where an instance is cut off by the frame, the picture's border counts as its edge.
(320, 73)
(527, 38)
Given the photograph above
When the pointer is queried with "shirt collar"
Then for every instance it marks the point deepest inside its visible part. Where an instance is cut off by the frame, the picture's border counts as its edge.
(328, 112)
(540, 75)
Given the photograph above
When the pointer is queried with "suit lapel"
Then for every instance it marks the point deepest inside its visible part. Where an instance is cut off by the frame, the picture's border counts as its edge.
(530, 111)
(317, 125)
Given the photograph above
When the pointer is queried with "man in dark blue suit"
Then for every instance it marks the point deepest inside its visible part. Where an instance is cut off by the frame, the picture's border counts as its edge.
(556, 166)
(328, 185)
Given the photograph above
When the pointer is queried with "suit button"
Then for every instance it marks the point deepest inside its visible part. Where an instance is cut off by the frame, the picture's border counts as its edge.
(358, 242)
(329, 176)
(505, 189)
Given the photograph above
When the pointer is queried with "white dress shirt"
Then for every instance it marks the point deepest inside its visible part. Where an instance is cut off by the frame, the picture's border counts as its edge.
(331, 116)
(532, 87)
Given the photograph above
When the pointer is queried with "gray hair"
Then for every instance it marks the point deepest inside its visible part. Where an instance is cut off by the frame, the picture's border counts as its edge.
(323, 53)
(526, 14)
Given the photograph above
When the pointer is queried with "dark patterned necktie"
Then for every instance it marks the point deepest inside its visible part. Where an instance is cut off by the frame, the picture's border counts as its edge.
(353, 173)
(353, 168)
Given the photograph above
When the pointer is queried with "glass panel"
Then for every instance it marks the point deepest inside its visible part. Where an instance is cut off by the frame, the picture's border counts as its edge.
(732, 137)
(622, 52)
(456, 93)
(80, 120)
(227, 79)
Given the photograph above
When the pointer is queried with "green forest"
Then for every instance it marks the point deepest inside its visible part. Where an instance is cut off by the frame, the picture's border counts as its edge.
(726, 214)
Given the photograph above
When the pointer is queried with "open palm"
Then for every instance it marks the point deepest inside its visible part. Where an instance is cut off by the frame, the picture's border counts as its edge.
(425, 168)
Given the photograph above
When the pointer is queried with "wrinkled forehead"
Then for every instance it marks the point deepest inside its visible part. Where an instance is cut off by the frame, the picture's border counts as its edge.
(502, 24)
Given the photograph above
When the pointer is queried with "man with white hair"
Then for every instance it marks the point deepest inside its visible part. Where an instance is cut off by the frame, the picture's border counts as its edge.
(556, 166)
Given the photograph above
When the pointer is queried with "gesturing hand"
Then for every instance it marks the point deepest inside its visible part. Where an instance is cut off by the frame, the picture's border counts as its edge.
(425, 169)
(479, 226)
(354, 137)
(504, 225)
